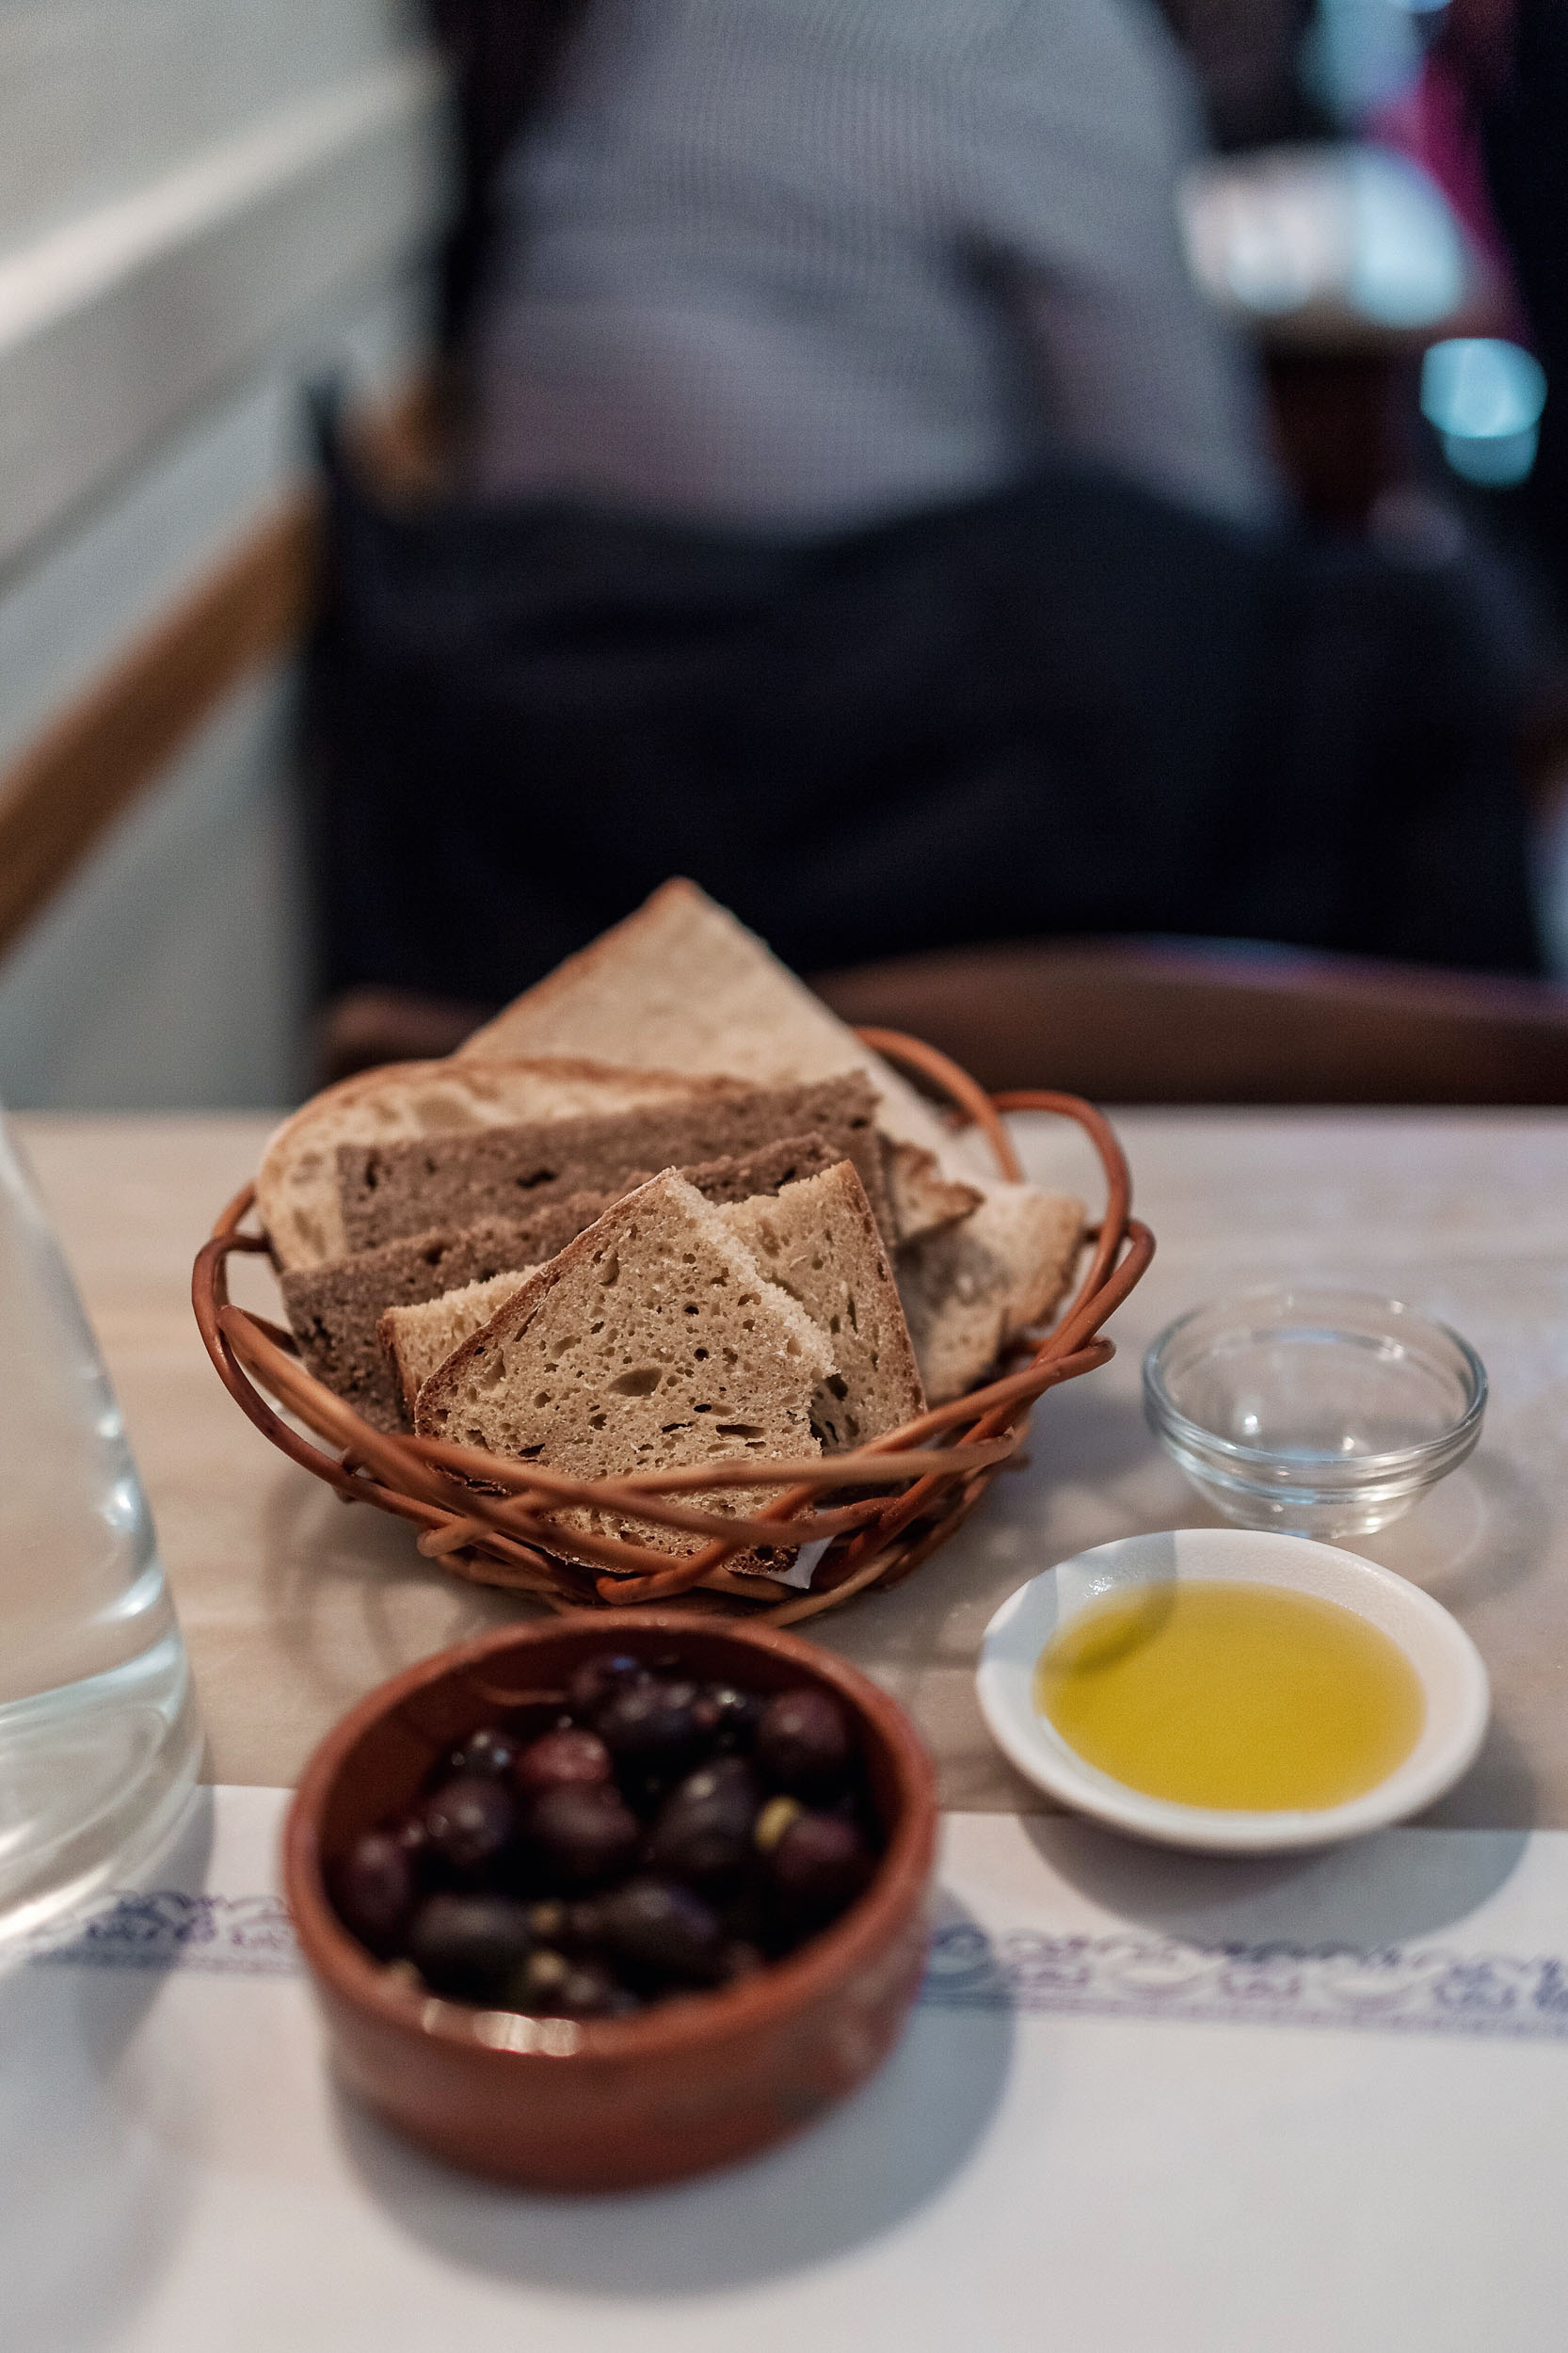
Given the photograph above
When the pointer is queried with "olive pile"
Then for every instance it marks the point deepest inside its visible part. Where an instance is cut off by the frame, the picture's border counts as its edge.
(637, 1835)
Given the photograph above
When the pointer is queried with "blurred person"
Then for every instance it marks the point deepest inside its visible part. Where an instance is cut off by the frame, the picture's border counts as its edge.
(807, 263)
(865, 515)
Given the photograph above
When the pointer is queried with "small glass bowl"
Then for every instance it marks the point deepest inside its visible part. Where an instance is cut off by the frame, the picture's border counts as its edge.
(1320, 1413)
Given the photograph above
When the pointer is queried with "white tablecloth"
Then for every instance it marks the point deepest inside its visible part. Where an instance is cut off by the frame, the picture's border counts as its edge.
(1318, 2106)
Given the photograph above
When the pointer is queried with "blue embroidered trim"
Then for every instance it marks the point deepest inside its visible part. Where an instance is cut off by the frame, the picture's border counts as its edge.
(247, 1936)
(1395, 1989)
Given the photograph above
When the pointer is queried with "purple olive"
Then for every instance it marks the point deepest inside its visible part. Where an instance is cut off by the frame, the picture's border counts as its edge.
(487, 1755)
(803, 1743)
(816, 1867)
(731, 1716)
(469, 1821)
(658, 1928)
(703, 1832)
(469, 1945)
(652, 1727)
(581, 1834)
(562, 1757)
(599, 1678)
(374, 1889)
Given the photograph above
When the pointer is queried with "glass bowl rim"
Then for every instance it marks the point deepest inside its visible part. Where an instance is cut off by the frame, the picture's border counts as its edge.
(1170, 1420)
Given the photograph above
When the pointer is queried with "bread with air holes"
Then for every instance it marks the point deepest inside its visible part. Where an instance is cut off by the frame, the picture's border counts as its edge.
(651, 1341)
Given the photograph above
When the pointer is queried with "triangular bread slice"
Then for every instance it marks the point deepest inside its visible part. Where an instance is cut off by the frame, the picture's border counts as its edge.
(334, 1308)
(419, 1339)
(819, 1241)
(681, 985)
(971, 1288)
(296, 1191)
(650, 1341)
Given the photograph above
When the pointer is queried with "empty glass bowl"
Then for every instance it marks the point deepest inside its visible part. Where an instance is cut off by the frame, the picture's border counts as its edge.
(1322, 1413)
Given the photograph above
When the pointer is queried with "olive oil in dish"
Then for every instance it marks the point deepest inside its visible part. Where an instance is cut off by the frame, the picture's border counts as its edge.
(1238, 1696)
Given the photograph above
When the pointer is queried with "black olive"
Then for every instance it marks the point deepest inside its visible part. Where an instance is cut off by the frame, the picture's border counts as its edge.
(741, 1958)
(819, 1863)
(469, 1820)
(374, 1888)
(703, 1830)
(660, 1929)
(651, 1727)
(581, 1833)
(490, 1754)
(729, 1715)
(561, 1758)
(412, 1833)
(469, 1945)
(599, 1678)
(803, 1743)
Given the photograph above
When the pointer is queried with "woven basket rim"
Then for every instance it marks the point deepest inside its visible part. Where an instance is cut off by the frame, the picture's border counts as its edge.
(879, 1510)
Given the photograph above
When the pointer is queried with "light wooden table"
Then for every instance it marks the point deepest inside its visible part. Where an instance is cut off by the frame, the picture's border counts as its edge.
(294, 1605)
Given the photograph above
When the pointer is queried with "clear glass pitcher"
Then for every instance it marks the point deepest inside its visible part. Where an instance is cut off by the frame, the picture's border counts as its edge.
(99, 1737)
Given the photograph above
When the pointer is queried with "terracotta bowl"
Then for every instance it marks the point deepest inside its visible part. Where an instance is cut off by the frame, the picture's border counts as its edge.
(569, 2104)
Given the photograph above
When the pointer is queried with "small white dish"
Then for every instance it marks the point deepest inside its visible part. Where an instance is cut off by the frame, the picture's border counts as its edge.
(1449, 1668)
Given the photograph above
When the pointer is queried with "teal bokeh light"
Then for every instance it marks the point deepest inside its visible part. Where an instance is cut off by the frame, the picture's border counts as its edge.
(1484, 396)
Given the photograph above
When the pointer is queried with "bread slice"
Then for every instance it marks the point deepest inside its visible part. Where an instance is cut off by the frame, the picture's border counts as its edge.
(388, 1190)
(333, 1310)
(418, 1339)
(820, 1242)
(968, 1289)
(296, 1190)
(651, 1340)
(922, 1199)
(681, 985)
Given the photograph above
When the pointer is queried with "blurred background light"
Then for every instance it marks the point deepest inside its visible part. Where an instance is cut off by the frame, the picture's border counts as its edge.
(1350, 231)
(1484, 397)
(1357, 55)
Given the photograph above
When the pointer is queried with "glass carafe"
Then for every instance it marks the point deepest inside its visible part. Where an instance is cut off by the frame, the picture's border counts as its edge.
(99, 1738)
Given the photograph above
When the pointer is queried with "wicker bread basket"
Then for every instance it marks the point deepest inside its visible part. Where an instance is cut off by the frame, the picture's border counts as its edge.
(879, 1510)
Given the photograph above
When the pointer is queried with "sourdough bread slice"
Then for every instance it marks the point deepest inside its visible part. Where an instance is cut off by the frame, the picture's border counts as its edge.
(389, 1190)
(334, 1309)
(418, 1339)
(681, 985)
(296, 1190)
(819, 1241)
(651, 1340)
(968, 1290)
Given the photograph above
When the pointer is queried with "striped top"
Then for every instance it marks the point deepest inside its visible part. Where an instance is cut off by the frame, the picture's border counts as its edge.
(799, 263)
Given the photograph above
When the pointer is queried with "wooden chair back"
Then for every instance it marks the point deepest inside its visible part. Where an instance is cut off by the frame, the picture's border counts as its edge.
(1135, 1021)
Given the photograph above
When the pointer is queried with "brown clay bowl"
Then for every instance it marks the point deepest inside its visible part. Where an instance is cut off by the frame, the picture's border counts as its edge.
(591, 2105)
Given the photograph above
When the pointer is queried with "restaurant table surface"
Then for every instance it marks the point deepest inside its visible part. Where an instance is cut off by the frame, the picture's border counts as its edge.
(294, 1605)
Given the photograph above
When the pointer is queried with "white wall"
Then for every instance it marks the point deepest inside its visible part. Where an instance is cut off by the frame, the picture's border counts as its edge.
(202, 205)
